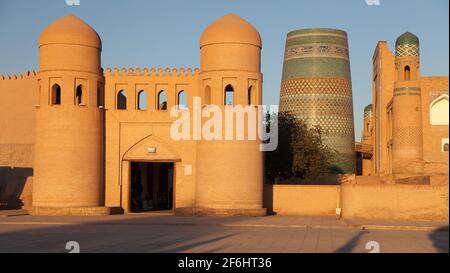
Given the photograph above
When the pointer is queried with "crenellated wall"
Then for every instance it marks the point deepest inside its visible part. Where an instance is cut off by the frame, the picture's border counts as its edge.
(17, 121)
(130, 131)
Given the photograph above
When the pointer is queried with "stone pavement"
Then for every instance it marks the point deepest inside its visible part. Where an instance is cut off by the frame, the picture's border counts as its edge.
(163, 232)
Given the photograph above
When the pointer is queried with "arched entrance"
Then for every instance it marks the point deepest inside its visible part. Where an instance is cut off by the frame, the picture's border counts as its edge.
(149, 176)
(151, 186)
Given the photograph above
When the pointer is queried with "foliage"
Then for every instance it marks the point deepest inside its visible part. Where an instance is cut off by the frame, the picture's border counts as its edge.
(301, 151)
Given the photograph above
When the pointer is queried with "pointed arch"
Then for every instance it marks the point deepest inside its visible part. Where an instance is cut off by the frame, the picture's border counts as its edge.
(229, 95)
(439, 110)
(207, 95)
(407, 73)
(250, 96)
(182, 100)
(56, 94)
(79, 96)
(122, 100)
(142, 100)
(162, 100)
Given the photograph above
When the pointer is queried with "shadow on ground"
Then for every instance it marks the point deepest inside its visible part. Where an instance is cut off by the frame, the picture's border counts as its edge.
(12, 183)
(352, 243)
(439, 237)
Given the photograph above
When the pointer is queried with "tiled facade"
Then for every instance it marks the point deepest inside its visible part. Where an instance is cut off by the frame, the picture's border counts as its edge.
(316, 87)
(410, 114)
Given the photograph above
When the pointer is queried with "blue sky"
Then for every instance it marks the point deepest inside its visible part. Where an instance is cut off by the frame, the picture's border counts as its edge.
(147, 33)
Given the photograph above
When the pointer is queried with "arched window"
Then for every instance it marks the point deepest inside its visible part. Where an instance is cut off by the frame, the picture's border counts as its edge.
(439, 110)
(142, 100)
(162, 100)
(407, 73)
(229, 95)
(207, 95)
(250, 95)
(79, 95)
(56, 94)
(122, 100)
(182, 100)
(445, 148)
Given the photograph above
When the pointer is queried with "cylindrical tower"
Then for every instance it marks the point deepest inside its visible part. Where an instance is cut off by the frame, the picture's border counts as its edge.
(316, 87)
(366, 141)
(407, 140)
(230, 172)
(68, 146)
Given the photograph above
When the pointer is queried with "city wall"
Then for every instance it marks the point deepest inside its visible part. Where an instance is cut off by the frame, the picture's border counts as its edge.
(376, 201)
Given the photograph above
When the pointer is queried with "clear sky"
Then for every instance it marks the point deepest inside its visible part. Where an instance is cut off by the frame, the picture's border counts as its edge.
(148, 33)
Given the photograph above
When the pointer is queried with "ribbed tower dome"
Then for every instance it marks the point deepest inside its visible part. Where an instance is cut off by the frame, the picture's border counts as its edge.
(368, 108)
(70, 30)
(407, 38)
(407, 45)
(230, 28)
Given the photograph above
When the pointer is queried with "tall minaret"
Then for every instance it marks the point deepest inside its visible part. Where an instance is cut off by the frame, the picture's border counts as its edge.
(68, 146)
(407, 140)
(316, 87)
(230, 172)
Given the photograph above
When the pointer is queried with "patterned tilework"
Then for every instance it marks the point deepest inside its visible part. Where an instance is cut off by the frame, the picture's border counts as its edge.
(407, 136)
(326, 102)
(407, 91)
(316, 87)
(407, 50)
(368, 112)
(316, 50)
(316, 67)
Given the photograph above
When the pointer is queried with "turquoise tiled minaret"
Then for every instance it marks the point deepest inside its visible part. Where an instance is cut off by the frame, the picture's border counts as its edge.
(316, 87)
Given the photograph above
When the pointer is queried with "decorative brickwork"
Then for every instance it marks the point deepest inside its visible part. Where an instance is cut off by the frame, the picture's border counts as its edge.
(316, 87)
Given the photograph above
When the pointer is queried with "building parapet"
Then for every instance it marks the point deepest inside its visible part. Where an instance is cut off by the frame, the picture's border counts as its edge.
(157, 72)
(25, 75)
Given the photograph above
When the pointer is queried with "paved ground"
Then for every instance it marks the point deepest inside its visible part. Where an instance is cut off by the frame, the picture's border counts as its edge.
(167, 233)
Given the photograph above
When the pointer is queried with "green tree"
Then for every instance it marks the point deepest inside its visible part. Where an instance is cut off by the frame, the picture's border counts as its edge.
(300, 153)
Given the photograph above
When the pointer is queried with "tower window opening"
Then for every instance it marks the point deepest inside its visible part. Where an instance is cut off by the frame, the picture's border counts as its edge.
(56, 94)
(142, 100)
(229, 95)
(79, 95)
(207, 95)
(407, 73)
(250, 96)
(100, 97)
(182, 100)
(162, 100)
(122, 100)
(445, 148)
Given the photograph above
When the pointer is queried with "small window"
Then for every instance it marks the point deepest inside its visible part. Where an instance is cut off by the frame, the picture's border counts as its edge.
(142, 100)
(229, 95)
(407, 73)
(207, 95)
(444, 145)
(162, 100)
(79, 95)
(100, 97)
(122, 100)
(38, 95)
(250, 95)
(56, 94)
(182, 100)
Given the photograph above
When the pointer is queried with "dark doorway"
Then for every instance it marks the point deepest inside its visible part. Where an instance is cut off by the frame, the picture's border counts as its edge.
(151, 186)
